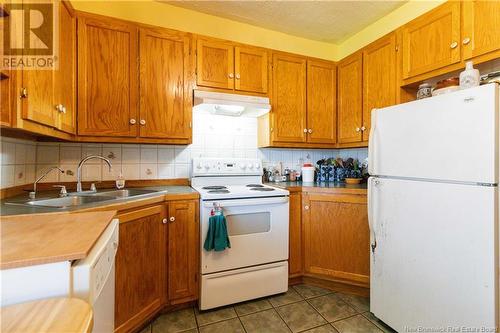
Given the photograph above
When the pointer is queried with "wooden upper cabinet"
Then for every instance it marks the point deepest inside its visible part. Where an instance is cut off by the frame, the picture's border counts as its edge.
(107, 77)
(6, 97)
(379, 78)
(250, 69)
(481, 27)
(165, 96)
(289, 99)
(350, 99)
(140, 267)
(215, 64)
(336, 237)
(65, 83)
(432, 40)
(37, 96)
(321, 102)
(183, 251)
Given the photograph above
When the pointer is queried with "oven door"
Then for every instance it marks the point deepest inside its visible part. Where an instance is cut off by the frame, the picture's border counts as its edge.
(258, 232)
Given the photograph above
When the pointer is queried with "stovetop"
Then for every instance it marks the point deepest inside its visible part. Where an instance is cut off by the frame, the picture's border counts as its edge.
(231, 178)
(238, 191)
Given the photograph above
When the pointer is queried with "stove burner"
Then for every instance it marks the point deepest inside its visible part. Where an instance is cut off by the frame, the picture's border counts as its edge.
(255, 185)
(218, 191)
(214, 187)
(262, 189)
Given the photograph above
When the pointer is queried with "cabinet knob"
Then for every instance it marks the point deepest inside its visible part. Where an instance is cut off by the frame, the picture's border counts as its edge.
(309, 131)
(358, 129)
(164, 221)
(231, 75)
(238, 76)
(142, 122)
(172, 218)
(132, 121)
(453, 45)
(305, 130)
(363, 128)
(60, 108)
(306, 207)
(24, 93)
(466, 41)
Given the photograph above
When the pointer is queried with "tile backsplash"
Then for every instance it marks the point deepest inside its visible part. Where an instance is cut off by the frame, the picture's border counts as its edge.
(213, 136)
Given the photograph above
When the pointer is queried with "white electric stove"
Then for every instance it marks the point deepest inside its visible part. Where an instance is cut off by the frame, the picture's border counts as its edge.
(256, 264)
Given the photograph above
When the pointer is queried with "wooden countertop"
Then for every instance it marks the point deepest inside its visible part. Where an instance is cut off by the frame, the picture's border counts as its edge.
(338, 188)
(49, 315)
(46, 238)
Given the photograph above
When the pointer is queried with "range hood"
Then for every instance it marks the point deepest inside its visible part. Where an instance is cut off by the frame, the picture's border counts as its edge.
(230, 104)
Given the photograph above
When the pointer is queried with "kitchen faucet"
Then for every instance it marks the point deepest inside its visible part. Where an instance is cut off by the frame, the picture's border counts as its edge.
(79, 171)
(32, 194)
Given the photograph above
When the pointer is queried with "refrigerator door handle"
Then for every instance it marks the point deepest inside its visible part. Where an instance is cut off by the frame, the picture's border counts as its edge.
(371, 142)
(373, 182)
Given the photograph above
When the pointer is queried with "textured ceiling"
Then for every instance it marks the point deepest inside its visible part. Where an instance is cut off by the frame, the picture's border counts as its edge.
(327, 21)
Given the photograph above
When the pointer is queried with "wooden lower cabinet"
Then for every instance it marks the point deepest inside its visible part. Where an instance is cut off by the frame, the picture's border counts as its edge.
(140, 267)
(336, 241)
(156, 262)
(183, 251)
(295, 236)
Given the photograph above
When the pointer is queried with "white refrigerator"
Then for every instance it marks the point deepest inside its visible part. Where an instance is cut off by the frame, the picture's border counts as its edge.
(433, 212)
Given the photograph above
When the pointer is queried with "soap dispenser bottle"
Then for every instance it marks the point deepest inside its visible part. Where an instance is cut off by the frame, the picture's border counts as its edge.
(469, 77)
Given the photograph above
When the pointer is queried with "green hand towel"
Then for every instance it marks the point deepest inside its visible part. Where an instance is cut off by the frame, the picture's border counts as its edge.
(217, 237)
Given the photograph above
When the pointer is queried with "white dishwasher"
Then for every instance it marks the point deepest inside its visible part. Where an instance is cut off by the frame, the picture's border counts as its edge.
(93, 279)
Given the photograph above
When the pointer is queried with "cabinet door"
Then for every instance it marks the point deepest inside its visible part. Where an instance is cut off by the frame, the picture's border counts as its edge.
(289, 99)
(140, 267)
(107, 77)
(336, 237)
(183, 251)
(350, 102)
(65, 83)
(432, 40)
(165, 97)
(250, 69)
(295, 238)
(6, 97)
(37, 92)
(379, 78)
(481, 27)
(321, 102)
(215, 64)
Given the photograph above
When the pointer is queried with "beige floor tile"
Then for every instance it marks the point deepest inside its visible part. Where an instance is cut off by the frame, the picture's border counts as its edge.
(332, 307)
(267, 321)
(300, 316)
(378, 322)
(213, 316)
(308, 291)
(356, 324)
(322, 329)
(226, 326)
(252, 307)
(173, 322)
(291, 296)
(362, 304)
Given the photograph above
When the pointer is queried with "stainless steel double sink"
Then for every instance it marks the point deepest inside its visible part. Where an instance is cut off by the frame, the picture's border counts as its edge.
(78, 199)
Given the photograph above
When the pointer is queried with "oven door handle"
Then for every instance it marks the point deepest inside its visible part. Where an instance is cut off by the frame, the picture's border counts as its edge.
(247, 202)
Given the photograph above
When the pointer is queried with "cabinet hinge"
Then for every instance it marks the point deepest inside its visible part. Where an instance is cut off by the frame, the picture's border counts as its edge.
(397, 48)
(190, 125)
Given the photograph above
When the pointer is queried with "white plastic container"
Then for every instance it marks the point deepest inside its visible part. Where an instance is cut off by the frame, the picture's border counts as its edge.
(308, 174)
(469, 77)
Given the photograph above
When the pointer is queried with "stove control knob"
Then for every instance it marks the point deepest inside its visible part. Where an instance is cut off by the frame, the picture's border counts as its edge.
(243, 166)
(199, 166)
(250, 166)
(207, 167)
(257, 166)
